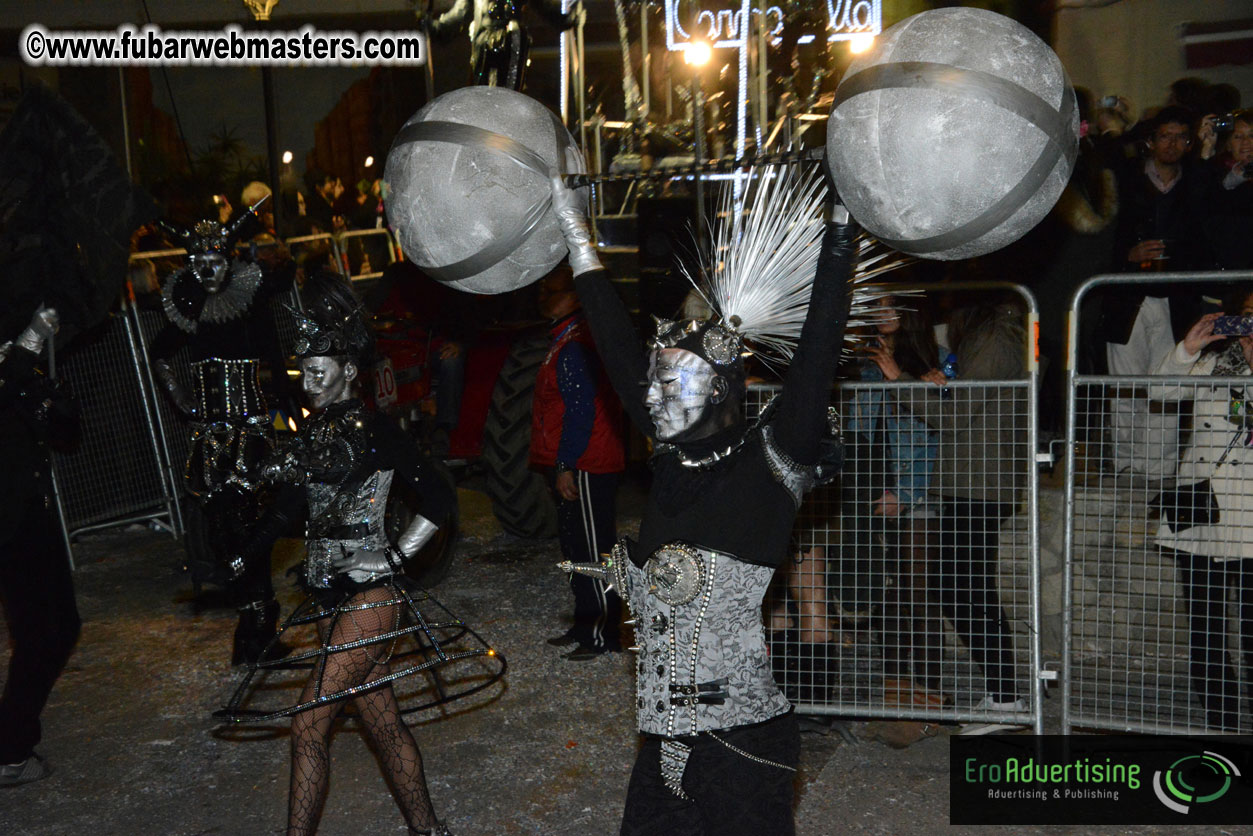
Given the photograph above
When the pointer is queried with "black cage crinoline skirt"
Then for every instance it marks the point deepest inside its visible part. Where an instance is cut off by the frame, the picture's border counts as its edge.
(432, 656)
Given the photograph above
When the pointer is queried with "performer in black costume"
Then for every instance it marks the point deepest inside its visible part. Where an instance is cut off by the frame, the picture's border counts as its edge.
(218, 308)
(36, 588)
(67, 211)
(721, 744)
(499, 45)
(341, 471)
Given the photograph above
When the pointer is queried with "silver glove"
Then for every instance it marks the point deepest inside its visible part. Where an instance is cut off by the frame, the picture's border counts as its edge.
(418, 534)
(364, 565)
(572, 218)
(43, 325)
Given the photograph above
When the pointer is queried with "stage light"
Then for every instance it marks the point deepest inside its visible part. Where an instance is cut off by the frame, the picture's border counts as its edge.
(287, 157)
(860, 43)
(369, 161)
(697, 53)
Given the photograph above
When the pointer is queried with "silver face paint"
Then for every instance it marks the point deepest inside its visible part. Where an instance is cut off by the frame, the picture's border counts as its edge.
(326, 380)
(680, 389)
(211, 268)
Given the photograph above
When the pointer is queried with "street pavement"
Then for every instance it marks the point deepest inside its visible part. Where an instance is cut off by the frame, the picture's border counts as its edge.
(135, 749)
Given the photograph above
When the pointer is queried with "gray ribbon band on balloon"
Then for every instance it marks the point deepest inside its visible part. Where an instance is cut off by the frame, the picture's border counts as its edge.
(501, 246)
(943, 78)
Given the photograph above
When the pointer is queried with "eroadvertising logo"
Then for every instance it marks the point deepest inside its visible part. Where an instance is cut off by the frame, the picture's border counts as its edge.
(1100, 779)
(1173, 786)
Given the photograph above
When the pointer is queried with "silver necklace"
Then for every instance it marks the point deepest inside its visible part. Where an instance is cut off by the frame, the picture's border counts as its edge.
(704, 461)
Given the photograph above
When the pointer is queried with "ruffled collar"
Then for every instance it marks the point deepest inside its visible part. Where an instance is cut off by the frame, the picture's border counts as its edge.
(187, 303)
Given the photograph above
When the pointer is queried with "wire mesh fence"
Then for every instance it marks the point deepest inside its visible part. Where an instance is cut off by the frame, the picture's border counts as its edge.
(116, 474)
(1159, 609)
(912, 588)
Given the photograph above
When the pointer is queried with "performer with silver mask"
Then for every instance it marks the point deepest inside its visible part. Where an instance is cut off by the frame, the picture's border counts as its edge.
(219, 312)
(339, 474)
(684, 396)
(720, 744)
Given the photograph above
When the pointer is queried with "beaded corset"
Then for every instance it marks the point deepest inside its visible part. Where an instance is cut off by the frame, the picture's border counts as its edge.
(228, 390)
(702, 661)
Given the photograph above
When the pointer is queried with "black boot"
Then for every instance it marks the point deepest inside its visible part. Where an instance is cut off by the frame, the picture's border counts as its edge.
(255, 634)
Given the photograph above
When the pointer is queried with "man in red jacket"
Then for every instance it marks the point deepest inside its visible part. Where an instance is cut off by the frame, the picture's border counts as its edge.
(576, 437)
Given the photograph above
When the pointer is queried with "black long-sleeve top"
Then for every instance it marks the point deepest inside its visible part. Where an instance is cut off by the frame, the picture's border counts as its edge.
(736, 506)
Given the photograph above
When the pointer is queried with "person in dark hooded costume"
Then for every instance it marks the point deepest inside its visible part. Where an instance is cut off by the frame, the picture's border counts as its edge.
(67, 211)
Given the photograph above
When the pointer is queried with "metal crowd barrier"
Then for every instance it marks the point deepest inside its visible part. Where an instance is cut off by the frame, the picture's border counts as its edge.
(1156, 630)
(319, 247)
(365, 252)
(117, 476)
(889, 591)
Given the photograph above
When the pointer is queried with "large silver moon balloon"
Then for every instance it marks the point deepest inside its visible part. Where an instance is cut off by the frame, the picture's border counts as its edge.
(955, 135)
(467, 188)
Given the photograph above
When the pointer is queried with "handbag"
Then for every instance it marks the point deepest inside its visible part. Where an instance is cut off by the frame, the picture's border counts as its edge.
(1194, 504)
(1187, 506)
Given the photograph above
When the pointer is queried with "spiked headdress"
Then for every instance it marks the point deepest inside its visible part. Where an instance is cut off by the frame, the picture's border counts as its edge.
(331, 322)
(208, 236)
(186, 301)
(758, 274)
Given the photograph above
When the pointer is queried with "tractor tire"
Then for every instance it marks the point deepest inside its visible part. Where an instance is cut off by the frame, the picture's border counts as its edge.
(520, 497)
(431, 564)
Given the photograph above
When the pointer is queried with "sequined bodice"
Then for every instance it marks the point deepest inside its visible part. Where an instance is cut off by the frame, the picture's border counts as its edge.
(347, 498)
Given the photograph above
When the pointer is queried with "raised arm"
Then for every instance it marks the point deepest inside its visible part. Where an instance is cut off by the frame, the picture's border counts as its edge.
(801, 418)
(452, 20)
(617, 342)
(577, 384)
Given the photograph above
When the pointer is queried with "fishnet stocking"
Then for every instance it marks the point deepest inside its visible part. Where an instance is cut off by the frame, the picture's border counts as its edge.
(380, 717)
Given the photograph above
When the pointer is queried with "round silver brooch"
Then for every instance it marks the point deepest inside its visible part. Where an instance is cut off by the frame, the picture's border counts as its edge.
(675, 574)
(721, 345)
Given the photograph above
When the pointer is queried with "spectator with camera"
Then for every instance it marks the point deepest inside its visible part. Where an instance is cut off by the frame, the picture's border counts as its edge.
(1228, 180)
(1160, 227)
(1207, 518)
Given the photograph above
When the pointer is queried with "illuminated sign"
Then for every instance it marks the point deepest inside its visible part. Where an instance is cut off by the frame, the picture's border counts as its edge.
(728, 29)
(848, 19)
(687, 21)
(723, 29)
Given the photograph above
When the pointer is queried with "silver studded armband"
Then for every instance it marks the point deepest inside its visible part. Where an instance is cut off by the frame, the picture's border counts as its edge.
(792, 475)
